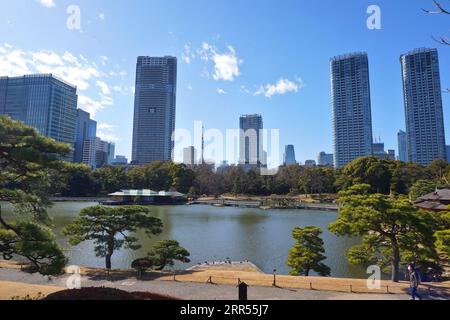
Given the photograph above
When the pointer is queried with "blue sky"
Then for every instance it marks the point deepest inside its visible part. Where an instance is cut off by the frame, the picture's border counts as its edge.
(235, 57)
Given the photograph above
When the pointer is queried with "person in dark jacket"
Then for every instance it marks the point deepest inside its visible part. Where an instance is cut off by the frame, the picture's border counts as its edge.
(414, 282)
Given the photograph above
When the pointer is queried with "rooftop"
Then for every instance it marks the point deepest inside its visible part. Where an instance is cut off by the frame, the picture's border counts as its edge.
(146, 193)
(438, 195)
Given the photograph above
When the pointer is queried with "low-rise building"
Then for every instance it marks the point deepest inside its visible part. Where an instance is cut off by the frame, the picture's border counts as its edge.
(435, 201)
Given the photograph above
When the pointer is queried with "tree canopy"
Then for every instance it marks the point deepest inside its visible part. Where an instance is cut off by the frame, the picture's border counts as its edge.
(165, 252)
(392, 230)
(112, 228)
(307, 253)
(27, 160)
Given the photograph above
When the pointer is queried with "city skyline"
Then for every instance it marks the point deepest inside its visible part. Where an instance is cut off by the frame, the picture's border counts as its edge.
(289, 86)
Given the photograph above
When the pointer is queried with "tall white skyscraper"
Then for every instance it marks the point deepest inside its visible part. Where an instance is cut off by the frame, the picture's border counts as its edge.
(351, 104)
(423, 106)
(154, 109)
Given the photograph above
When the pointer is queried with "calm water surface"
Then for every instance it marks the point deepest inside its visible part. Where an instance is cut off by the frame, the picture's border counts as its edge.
(212, 234)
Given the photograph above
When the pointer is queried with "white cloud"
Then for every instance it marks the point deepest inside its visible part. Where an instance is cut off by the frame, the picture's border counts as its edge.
(187, 55)
(106, 132)
(104, 60)
(282, 87)
(47, 3)
(94, 106)
(102, 16)
(226, 64)
(121, 74)
(189, 86)
(103, 87)
(107, 136)
(47, 57)
(244, 89)
(76, 70)
(221, 91)
(105, 126)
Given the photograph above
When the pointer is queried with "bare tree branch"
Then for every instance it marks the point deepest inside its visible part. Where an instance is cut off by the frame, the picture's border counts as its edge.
(441, 9)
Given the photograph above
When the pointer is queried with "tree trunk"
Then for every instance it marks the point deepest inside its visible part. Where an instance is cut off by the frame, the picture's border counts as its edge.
(307, 273)
(395, 261)
(109, 253)
(108, 261)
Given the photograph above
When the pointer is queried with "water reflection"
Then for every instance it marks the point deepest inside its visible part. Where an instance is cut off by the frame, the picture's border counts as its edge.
(211, 234)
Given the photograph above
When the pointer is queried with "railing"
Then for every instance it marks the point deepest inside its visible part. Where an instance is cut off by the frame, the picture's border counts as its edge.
(283, 283)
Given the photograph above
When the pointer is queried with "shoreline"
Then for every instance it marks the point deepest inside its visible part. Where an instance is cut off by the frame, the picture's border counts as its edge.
(261, 205)
(254, 203)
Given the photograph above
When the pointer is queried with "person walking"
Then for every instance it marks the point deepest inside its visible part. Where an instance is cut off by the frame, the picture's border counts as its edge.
(414, 282)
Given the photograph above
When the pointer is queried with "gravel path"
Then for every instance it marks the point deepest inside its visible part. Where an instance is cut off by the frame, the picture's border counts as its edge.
(196, 291)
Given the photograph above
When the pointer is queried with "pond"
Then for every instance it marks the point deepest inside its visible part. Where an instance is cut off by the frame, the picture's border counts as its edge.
(214, 234)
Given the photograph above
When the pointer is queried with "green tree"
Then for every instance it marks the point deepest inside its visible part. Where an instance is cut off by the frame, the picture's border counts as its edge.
(390, 229)
(182, 177)
(421, 188)
(26, 159)
(372, 171)
(141, 265)
(112, 228)
(79, 181)
(443, 241)
(307, 253)
(166, 252)
(111, 179)
(404, 175)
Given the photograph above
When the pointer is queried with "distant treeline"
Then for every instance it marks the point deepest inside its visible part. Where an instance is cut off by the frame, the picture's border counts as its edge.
(383, 176)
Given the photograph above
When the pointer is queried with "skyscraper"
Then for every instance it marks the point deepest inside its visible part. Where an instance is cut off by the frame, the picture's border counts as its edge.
(448, 153)
(352, 119)
(289, 155)
(250, 140)
(97, 153)
(86, 129)
(43, 102)
(380, 152)
(423, 106)
(111, 152)
(325, 159)
(154, 109)
(190, 156)
(402, 146)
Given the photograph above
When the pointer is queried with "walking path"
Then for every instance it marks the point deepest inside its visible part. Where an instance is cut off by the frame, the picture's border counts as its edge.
(13, 282)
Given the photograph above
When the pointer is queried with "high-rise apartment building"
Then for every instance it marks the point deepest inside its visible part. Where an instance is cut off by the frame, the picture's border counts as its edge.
(402, 146)
(351, 104)
(43, 102)
(154, 109)
(423, 106)
(251, 151)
